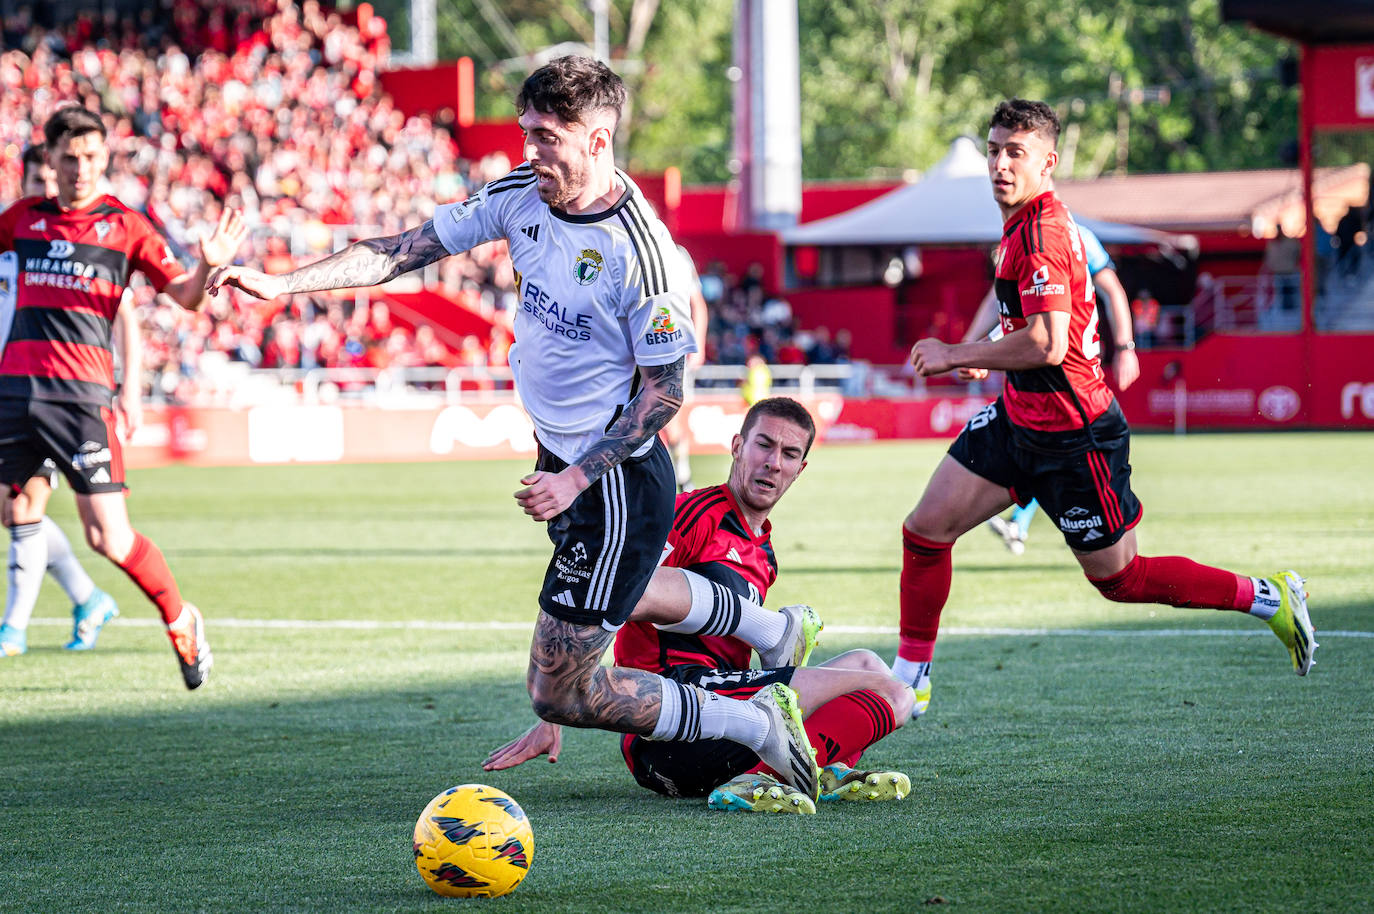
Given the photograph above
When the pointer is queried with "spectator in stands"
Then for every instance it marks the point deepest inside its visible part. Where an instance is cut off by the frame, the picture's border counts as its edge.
(788, 352)
(1145, 318)
(821, 351)
(713, 283)
(758, 380)
(431, 352)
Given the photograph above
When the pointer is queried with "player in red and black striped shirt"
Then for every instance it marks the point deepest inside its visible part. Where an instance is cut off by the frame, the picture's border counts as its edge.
(75, 254)
(42, 548)
(719, 561)
(1056, 433)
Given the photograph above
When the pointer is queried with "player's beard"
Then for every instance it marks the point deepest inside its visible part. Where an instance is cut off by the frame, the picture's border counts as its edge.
(567, 184)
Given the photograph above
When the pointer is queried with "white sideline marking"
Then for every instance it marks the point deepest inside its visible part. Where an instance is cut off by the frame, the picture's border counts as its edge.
(423, 625)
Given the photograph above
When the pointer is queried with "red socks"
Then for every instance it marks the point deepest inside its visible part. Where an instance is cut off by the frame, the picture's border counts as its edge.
(1176, 581)
(927, 568)
(146, 567)
(842, 728)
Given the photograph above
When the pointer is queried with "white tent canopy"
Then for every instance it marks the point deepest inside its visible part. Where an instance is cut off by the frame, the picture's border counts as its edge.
(951, 205)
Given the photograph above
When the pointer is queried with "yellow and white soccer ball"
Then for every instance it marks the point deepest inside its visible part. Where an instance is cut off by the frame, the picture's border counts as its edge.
(473, 841)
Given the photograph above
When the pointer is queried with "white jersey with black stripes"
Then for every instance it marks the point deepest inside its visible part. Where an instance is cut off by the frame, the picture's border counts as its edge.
(599, 294)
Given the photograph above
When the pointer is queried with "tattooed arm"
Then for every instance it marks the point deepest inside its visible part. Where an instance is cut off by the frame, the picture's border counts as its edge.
(363, 263)
(549, 494)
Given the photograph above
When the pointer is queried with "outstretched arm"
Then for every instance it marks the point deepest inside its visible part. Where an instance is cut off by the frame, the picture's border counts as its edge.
(188, 289)
(549, 494)
(364, 263)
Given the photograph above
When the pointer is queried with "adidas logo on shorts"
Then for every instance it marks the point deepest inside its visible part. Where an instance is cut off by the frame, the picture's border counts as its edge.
(564, 599)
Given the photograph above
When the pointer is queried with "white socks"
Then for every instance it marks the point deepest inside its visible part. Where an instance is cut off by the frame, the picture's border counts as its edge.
(28, 561)
(64, 567)
(910, 671)
(717, 610)
(690, 713)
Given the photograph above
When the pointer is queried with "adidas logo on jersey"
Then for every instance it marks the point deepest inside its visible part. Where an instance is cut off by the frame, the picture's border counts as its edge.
(564, 599)
(40, 226)
(532, 231)
(733, 556)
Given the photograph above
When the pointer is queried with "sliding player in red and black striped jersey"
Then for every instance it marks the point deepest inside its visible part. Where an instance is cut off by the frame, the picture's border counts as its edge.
(1056, 434)
(701, 614)
(74, 256)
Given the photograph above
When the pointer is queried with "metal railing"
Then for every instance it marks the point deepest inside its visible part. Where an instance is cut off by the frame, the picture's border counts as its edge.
(235, 384)
(1266, 303)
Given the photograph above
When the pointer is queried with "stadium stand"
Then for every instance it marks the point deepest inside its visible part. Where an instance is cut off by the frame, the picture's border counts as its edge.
(278, 109)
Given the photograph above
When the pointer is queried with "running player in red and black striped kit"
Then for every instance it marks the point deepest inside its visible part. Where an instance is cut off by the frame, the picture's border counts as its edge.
(1056, 433)
(75, 254)
(720, 546)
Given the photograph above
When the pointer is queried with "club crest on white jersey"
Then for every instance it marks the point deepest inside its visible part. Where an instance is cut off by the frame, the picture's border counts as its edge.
(599, 295)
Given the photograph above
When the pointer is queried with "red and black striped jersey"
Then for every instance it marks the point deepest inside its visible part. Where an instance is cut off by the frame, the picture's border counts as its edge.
(708, 529)
(73, 266)
(1041, 267)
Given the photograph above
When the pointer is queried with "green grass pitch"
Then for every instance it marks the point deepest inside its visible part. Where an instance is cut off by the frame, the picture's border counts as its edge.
(1078, 755)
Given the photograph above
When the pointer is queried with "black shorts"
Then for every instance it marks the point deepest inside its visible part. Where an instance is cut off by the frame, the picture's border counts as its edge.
(679, 769)
(1082, 478)
(609, 541)
(78, 437)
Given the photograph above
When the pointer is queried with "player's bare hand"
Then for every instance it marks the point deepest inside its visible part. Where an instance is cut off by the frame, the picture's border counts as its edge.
(130, 411)
(1126, 368)
(260, 285)
(543, 738)
(971, 374)
(549, 494)
(229, 234)
(931, 356)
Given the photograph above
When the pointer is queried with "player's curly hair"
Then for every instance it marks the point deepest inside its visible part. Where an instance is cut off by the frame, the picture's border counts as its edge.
(781, 408)
(570, 87)
(1022, 114)
(69, 121)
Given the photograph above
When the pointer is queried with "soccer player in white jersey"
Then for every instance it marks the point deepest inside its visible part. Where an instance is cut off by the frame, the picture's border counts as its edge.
(40, 547)
(602, 334)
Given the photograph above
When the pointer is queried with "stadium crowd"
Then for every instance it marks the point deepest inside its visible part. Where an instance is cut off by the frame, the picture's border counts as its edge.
(746, 320)
(276, 108)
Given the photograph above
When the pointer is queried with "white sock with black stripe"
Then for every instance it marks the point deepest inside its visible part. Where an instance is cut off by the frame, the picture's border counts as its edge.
(717, 610)
(690, 713)
(28, 560)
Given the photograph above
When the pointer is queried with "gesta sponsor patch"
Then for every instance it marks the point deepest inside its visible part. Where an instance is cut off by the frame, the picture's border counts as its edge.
(662, 330)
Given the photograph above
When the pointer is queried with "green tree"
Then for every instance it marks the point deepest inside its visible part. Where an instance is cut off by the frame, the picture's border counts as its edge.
(1154, 85)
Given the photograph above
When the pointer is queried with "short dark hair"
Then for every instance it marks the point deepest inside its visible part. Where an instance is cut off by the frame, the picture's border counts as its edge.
(570, 87)
(781, 408)
(1022, 114)
(70, 121)
(34, 157)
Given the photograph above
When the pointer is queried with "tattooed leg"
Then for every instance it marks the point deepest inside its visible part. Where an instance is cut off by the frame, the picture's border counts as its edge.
(569, 686)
